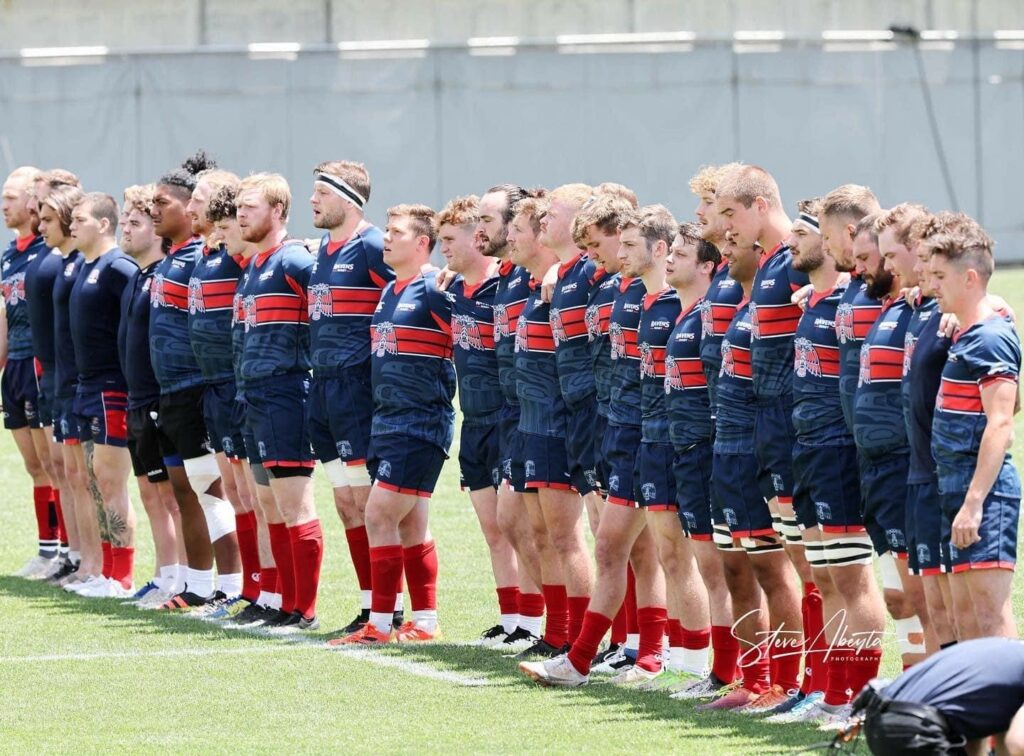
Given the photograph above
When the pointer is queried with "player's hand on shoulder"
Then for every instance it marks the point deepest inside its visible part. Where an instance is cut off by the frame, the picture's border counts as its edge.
(1001, 306)
(445, 276)
(949, 324)
(801, 295)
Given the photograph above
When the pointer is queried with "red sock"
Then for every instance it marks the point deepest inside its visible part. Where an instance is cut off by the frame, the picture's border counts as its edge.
(508, 600)
(632, 626)
(836, 666)
(696, 640)
(122, 564)
(577, 608)
(359, 551)
(674, 630)
(755, 668)
(815, 643)
(268, 580)
(421, 572)
(281, 547)
(531, 605)
(108, 560)
(556, 628)
(62, 532)
(307, 554)
(785, 665)
(861, 667)
(386, 571)
(652, 621)
(249, 551)
(619, 626)
(589, 639)
(45, 529)
(726, 650)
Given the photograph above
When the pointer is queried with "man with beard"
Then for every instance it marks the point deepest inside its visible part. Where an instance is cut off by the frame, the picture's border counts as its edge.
(344, 288)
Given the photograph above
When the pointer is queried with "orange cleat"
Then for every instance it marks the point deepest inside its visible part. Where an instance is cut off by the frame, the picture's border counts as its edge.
(410, 633)
(367, 635)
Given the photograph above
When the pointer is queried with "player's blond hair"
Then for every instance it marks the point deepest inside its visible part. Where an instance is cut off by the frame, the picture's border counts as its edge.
(850, 202)
(604, 212)
(576, 195)
(961, 240)
(707, 177)
(745, 183)
(901, 220)
(274, 188)
(461, 211)
(654, 222)
(533, 208)
(421, 219)
(619, 191)
(139, 197)
(216, 178)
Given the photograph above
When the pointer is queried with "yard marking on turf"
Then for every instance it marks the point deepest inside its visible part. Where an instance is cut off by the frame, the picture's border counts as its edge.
(151, 654)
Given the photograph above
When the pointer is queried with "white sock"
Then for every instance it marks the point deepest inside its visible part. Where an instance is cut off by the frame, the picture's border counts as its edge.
(531, 624)
(382, 621)
(692, 660)
(165, 581)
(199, 582)
(230, 585)
(179, 579)
(633, 641)
(263, 599)
(274, 600)
(366, 600)
(509, 622)
(75, 556)
(426, 620)
(400, 602)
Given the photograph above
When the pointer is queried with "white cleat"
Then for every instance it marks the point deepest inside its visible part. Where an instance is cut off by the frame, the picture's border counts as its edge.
(154, 599)
(838, 720)
(556, 672)
(492, 637)
(89, 582)
(35, 568)
(613, 664)
(634, 676)
(109, 589)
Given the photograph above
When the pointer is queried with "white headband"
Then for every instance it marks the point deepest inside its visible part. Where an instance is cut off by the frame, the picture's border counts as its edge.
(342, 188)
(808, 220)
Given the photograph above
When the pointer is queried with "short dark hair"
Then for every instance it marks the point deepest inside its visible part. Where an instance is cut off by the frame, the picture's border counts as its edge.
(102, 205)
(184, 178)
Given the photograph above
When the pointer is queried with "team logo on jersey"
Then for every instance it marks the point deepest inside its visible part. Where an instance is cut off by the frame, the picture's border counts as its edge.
(557, 329)
(521, 334)
(383, 340)
(646, 361)
(237, 312)
(14, 289)
(466, 332)
(909, 345)
(344, 449)
(648, 491)
(592, 320)
(823, 511)
(383, 469)
(156, 291)
(728, 361)
(805, 358)
(865, 365)
(93, 277)
(530, 467)
(500, 322)
(844, 323)
(69, 269)
(673, 379)
(755, 326)
(320, 301)
(196, 303)
(707, 318)
(249, 310)
(618, 341)
(145, 285)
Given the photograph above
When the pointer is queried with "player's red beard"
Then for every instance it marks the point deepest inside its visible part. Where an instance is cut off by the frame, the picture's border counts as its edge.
(257, 230)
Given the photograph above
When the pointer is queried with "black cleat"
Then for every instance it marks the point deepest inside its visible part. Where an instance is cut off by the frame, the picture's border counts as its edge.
(396, 622)
(253, 615)
(361, 619)
(66, 568)
(539, 650)
(184, 601)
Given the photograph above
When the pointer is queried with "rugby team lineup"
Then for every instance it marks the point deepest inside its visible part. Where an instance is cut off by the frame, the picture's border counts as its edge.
(750, 410)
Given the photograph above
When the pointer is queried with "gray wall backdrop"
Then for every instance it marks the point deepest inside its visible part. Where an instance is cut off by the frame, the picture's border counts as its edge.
(448, 122)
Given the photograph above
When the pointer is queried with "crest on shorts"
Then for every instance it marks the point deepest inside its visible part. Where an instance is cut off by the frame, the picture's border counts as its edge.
(500, 321)
(728, 361)
(923, 554)
(466, 332)
(228, 445)
(909, 345)
(530, 467)
(823, 511)
(383, 340)
(521, 330)
(506, 468)
(196, 303)
(894, 537)
(805, 358)
(646, 361)
(262, 450)
(156, 291)
(344, 449)
(673, 378)
(691, 521)
(707, 318)
(320, 302)
(613, 483)
(618, 341)
(592, 320)
(249, 310)
(730, 517)
(844, 323)
(14, 289)
(648, 491)
(865, 365)
(495, 476)
(557, 329)
(383, 469)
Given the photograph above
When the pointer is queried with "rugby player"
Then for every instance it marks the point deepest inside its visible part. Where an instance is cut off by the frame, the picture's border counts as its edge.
(413, 380)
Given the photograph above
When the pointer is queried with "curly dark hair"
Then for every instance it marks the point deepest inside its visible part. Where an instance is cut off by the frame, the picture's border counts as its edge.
(222, 203)
(184, 178)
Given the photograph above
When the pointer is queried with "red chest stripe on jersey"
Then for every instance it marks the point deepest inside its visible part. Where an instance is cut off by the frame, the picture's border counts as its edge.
(691, 372)
(218, 295)
(539, 337)
(962, 397)
(346, 301)
(863, 318)
(280, 308)
(574, 322)
(738, 364)
(828, 357)
(721, 317)
(777, 320)
(422, 342)
(886, 363)
(175, 294)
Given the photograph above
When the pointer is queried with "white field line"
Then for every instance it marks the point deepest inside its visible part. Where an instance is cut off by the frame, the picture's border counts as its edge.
(414, 668)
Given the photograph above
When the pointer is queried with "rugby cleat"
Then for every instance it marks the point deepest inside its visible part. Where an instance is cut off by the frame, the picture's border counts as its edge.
(184, 602)
(707, 687)
(367, 635)
(767, 702)
(613, 663)
(35, 567)
(361, 619)
(492, 637)
(555, 672)
(518, 640)
(540, 650)
(734, 699)
(413, 633)
(635, 676)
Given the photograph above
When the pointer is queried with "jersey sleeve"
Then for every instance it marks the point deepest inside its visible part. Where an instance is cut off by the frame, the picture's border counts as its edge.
(123, 271)
(380, 272)
(797, 279)
(996, 356)
(440, 305)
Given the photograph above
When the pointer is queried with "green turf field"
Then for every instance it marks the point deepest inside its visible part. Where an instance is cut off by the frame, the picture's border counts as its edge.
(87, 675)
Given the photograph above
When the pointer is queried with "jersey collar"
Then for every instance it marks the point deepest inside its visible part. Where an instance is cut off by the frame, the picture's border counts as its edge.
(567, 265)
(262, 257)
(689, 309)
(24, 242)
(766, 256)
(333, 247)
(650, 299)
(175, 248)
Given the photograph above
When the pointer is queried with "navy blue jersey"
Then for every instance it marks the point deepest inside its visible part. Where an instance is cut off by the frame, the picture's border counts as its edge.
(878, 425)
(856, 314)
(624, 405)
(211, 296)
(774, 318)
(987, 351)
(15, 263)
(275, 318)
(542, 409)
(978, 685)
(170, 349)
(817, 409)
(344, 288)
(924, 356)
(568, 313)
(133, 338)
(734, 398)
(66, 369)
(238, 326)
(686, 385)
(657, 320)
(509, 301)
(717, 310)
(95, 317)
(476, 364)
(599, 312)
(411, 356)
(42, 274)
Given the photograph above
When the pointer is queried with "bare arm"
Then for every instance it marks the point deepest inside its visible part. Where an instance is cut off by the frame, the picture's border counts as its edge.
(997, 400)
(1013, 740)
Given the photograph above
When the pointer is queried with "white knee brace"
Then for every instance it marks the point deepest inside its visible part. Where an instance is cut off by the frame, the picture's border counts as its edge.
(891, 580)
(335, 472)
(904, 629)
(202, 473)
